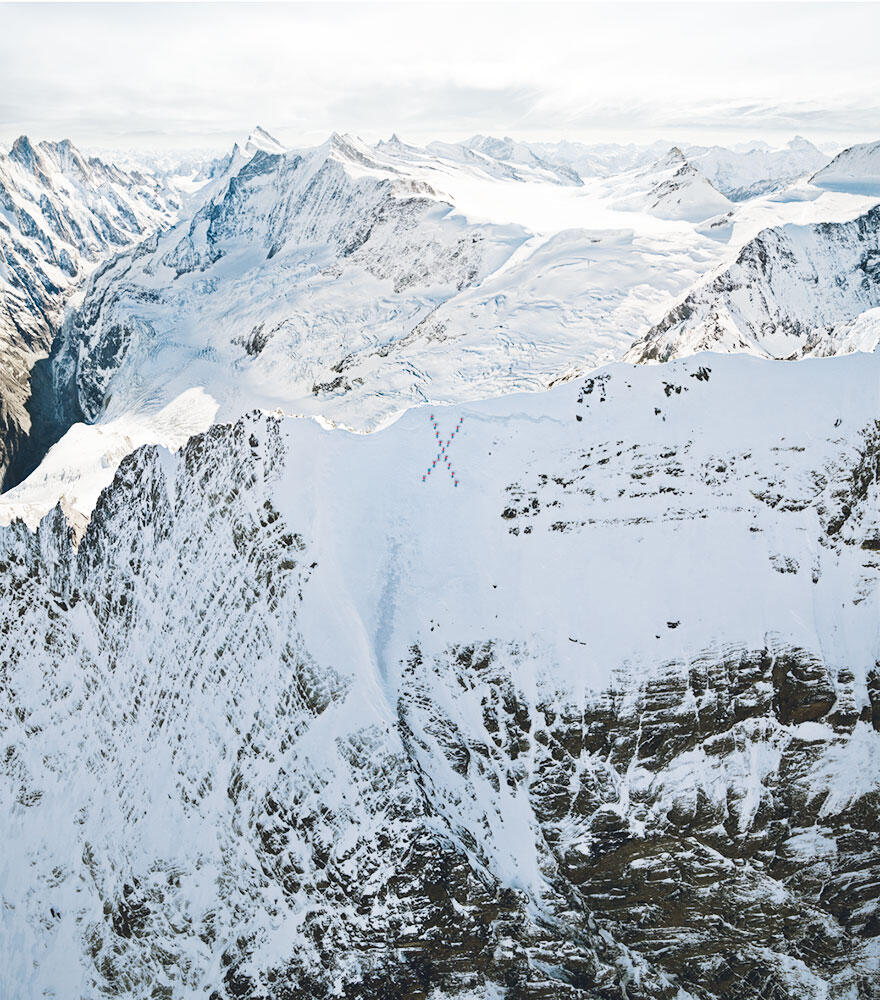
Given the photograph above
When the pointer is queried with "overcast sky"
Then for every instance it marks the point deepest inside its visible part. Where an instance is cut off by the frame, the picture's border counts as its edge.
(144, 75)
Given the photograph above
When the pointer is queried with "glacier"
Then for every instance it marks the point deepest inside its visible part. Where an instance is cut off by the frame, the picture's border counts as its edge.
(350, 282)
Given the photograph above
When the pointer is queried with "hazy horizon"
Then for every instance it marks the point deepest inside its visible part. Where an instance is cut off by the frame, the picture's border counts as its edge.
(119, 76)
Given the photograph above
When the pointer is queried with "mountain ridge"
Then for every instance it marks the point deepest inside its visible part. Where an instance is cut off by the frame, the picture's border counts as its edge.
(60, 213)
(593, 714)
(792, 292)
(351, 281)
(347, 776)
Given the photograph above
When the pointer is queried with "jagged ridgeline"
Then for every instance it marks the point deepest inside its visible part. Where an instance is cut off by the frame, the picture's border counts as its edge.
(602, 721)
(351, 281)
(793, 292)
(61, 213)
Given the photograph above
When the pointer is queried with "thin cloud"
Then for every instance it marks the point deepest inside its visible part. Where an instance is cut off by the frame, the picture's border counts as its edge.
(203, 74)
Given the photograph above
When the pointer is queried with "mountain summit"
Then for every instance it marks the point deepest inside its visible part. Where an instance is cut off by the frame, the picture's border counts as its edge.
(260, 139)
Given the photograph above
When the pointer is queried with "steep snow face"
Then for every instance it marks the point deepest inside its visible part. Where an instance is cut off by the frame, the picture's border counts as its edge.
(60, 213)
(260, 141)
(759, 170)
(793, 291)
(600, 720)
(855, 169)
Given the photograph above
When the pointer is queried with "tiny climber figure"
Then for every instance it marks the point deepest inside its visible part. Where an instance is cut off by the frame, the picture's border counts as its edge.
(444, 449)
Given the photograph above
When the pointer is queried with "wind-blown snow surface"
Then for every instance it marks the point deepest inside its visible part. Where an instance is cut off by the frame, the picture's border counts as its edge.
(601, 720)
(351, 282)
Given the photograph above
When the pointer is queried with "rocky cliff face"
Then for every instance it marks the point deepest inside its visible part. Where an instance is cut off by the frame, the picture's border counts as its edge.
(793, 291)
(603, 720)
(60, 213)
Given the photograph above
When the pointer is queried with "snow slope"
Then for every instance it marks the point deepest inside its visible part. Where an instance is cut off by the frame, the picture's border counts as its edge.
(759, 170)
(855, 169)
(591, 710)
(261, 140)
(672, 188)
(317, 282)
(602, 720)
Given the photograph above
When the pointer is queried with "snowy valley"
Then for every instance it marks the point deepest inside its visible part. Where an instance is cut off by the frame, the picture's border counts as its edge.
(61, 214)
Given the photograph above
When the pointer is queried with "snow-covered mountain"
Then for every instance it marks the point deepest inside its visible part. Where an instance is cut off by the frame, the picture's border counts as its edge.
(373, 632)
(599, 159)
(512, 153)
(673, 188)
(603, 719)
(296, 263)
(855, 169)
(739, 173)
(324, 281)
(350, 282)
(759, 170)
(261, 141)
(793, 291)
(60, 214)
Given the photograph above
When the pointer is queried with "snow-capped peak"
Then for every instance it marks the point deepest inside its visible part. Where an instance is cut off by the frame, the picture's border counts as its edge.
(24, 154)
(261, 140)
(673, 188)
(674, 158)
